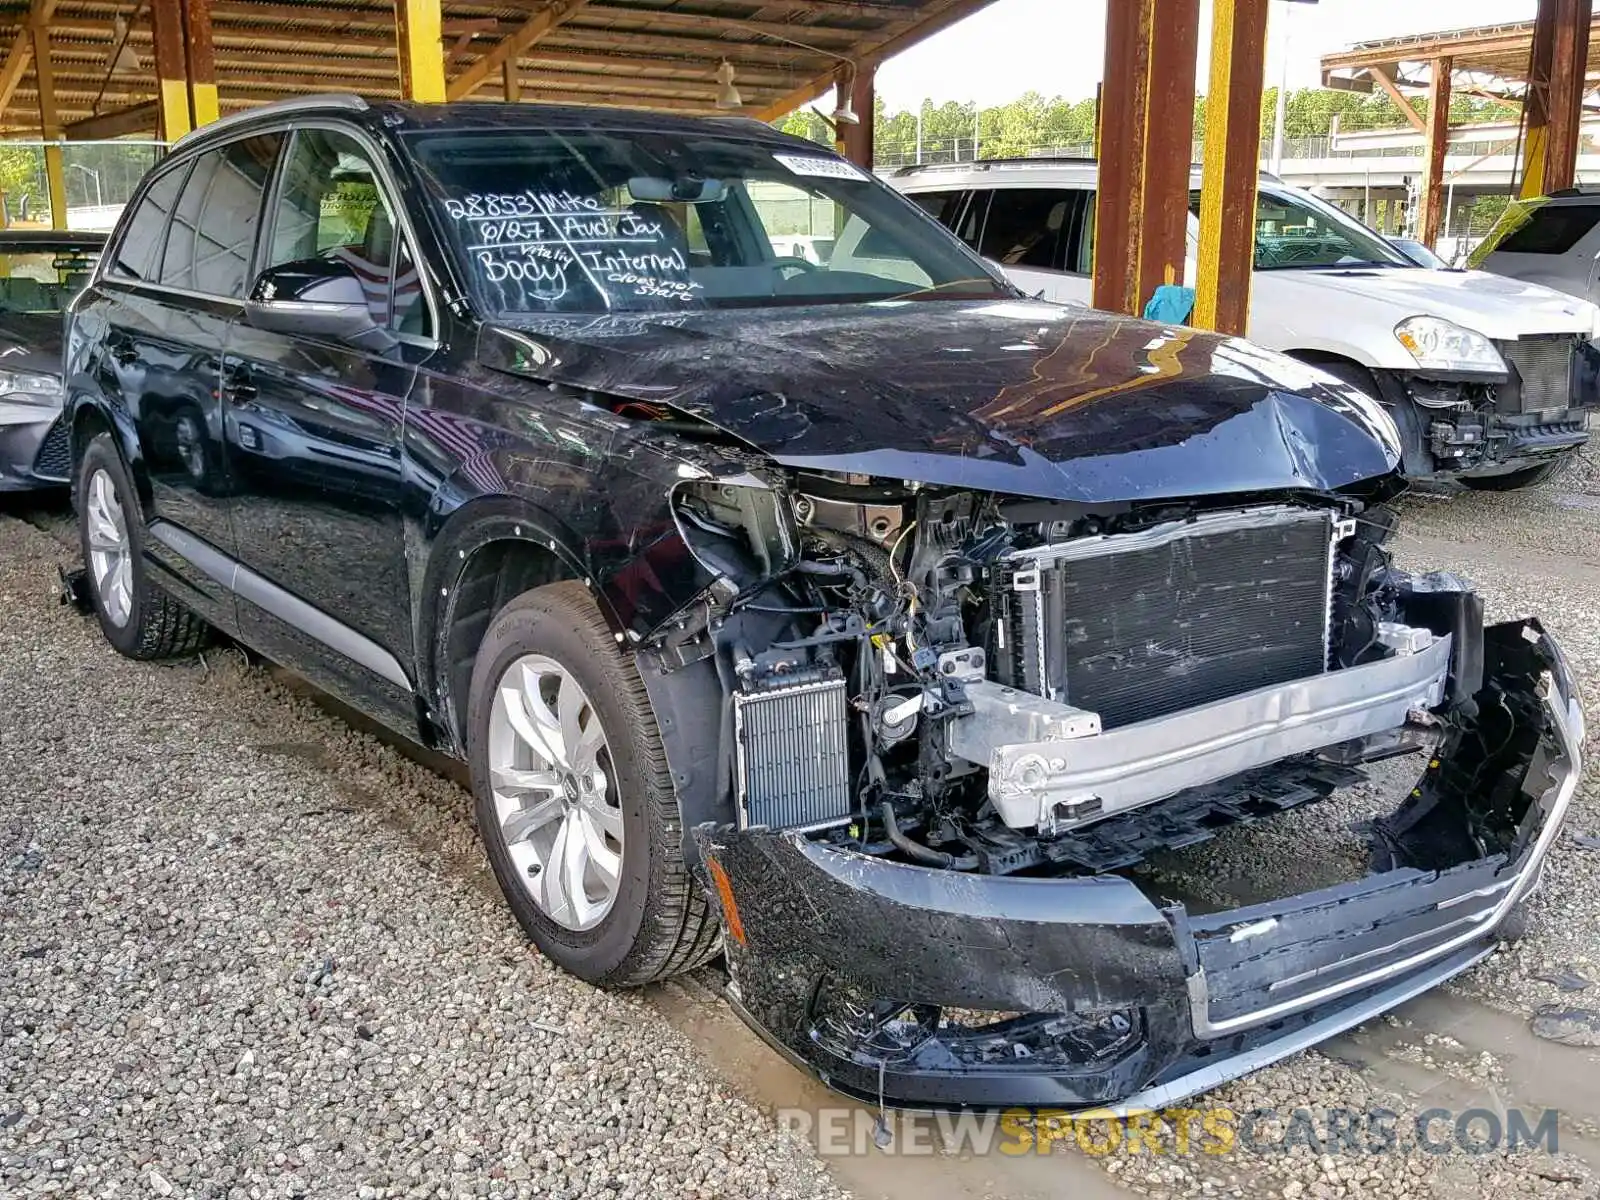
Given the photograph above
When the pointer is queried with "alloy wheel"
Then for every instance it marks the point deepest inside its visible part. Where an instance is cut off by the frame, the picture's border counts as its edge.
(551, 776)
(110, 553)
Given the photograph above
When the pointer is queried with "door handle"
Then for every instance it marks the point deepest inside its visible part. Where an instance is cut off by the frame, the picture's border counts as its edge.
(237, 383)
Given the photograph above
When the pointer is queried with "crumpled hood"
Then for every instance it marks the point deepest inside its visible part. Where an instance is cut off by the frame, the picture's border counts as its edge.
(1493, 305)
(1010, 396)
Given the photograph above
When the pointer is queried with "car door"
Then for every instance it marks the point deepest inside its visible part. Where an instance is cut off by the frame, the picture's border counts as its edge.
(173, 285)
(314, 427)
(1038, 236)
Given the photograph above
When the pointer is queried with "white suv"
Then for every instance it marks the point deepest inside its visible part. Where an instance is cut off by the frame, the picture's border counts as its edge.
(1488, 378)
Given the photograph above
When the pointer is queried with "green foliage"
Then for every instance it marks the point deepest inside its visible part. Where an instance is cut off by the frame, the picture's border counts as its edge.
(1033, 122)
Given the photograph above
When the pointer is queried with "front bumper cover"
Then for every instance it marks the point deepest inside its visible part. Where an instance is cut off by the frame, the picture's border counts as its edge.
(846, 962)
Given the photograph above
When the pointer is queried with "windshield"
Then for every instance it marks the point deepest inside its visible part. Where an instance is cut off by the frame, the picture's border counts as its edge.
(1298, 231)
(43, 279)
(610, 221)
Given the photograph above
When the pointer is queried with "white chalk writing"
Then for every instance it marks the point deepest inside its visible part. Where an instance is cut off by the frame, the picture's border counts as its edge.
(527, 245)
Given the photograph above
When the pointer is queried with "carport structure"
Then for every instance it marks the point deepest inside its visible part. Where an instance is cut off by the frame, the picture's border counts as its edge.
(92, 69)
(1550, 66)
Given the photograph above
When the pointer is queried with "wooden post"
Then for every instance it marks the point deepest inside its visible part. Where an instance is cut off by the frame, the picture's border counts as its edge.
(418, 27)
(513, 80)
(857, 140)
(1232, 162)
(166, 28)
(1144, 131)
(1551, 109)
(1438, 144)
(201, 62)
(50, 127)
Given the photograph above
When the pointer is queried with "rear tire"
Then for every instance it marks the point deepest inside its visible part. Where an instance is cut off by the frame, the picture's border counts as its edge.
(1513, 481)
(138, 618)
(625, 915)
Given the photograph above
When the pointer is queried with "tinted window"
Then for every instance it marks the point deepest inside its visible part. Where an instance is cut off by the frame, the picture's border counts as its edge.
(1034, 227)
(1554, 229)
(331, 206)
(138, 253)
(213, 233)
(943, 207)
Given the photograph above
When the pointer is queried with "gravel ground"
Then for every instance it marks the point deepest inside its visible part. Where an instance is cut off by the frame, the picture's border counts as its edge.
(246, 951)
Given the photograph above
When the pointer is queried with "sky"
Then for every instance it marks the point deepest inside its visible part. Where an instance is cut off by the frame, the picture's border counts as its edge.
(1057, 47)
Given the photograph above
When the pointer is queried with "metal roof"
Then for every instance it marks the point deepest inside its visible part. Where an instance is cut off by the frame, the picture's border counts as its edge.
(660, 54)
(1488, 60)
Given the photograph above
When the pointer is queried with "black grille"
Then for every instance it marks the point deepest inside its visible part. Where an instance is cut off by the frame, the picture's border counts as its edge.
(1138, 626)
(54, 460)
(1543, 366)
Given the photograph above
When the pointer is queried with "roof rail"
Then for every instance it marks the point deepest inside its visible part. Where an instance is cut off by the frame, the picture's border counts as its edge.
(322, 100)
(984, 164)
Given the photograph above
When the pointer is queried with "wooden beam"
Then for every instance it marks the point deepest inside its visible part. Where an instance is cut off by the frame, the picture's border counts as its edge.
(1432, 208)
(857, 139)
(50, 128)
(1567, 87)
(510, 47)
(1385, 78)
(137, 118)
(513, 81)
(172, 89)
(21, 51)
(418, 27)
(201, 73)
(875, 48)
(1145, 136)
(1231, 165)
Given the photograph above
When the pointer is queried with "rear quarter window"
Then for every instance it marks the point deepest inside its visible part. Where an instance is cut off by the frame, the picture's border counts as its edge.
(1553, 229)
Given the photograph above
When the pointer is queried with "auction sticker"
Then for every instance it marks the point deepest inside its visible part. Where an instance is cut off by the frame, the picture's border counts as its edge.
(821, 168)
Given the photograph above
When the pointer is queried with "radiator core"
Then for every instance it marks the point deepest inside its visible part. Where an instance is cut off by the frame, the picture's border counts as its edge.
(792, 755)
(1139, 625)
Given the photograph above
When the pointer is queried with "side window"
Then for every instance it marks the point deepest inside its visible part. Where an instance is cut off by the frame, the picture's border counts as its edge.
(1033, 227)
(138, 253)
(331, 207)
(943, 207)
(1553, 229)
(212, 237)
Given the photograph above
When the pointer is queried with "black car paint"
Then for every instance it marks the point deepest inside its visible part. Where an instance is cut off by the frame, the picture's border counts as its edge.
(366, 485)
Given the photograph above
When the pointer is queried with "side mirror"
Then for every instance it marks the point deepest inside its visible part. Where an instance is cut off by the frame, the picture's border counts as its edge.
(319, 297)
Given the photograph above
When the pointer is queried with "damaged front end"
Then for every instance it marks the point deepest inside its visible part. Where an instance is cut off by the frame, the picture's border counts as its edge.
(955, 726)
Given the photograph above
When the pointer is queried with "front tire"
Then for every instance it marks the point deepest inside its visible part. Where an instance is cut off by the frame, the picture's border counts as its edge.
(573, 797)
(138, 618)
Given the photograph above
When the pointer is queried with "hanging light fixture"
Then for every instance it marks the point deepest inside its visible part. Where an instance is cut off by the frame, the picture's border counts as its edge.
(844, 112)
(123, 57)
(727, 95)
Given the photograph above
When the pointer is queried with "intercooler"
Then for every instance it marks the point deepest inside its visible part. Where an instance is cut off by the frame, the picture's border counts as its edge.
(1138, 625)
(793, 761)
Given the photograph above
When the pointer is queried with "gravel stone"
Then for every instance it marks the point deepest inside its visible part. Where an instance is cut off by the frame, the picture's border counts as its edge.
(249, 951)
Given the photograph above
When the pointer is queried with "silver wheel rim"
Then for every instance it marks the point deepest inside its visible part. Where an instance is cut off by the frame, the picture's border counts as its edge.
(551, 776)
(110, 555)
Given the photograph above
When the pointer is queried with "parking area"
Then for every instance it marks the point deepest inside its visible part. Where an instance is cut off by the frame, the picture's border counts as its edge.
(249, 950)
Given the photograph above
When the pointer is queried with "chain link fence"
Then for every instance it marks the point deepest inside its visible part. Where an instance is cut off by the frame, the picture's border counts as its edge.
(100, 177)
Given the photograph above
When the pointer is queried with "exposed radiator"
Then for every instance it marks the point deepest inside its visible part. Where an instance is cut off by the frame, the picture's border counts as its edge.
(792, 758)
(1544, 368)
(1139, 625)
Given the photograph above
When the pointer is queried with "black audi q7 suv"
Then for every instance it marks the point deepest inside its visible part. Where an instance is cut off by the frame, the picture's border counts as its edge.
(859, 618)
